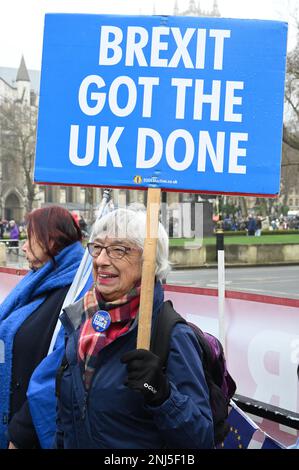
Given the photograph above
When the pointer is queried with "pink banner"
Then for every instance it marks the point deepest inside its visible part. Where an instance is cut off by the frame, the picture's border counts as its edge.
(262, 344)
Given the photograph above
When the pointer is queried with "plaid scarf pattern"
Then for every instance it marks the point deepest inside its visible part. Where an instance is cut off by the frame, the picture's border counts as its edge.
(91, 342)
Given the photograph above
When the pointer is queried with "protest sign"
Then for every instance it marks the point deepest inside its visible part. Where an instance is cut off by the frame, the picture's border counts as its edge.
(174, 103)
(177, 103)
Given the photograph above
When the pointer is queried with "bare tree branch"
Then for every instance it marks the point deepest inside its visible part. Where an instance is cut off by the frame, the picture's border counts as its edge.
(290, 138)
(18, 128)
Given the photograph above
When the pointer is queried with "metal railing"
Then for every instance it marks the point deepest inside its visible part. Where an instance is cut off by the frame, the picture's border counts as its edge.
(12, 243)
(266, 411)
(14, 255)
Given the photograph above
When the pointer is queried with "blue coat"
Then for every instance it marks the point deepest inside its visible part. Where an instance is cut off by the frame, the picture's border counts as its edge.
(22, 301)
(112, 416)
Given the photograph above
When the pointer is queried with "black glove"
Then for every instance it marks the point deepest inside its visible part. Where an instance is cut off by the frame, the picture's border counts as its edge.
(145, 374)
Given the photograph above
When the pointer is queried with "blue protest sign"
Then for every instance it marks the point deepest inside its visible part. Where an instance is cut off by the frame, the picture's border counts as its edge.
(179, 103)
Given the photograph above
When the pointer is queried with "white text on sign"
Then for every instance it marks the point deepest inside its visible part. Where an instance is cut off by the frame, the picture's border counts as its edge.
(194, 100)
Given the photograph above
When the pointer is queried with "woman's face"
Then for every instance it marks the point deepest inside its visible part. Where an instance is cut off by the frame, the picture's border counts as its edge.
(116, 277)
(34, 253)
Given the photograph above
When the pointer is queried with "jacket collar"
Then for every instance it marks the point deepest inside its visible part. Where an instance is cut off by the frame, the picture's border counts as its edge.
(71, 316)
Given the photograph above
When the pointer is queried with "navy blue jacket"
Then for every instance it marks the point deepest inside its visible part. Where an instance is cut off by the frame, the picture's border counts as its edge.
(112, 416)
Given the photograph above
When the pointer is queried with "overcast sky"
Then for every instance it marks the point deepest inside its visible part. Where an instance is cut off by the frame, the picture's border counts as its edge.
(21, 21)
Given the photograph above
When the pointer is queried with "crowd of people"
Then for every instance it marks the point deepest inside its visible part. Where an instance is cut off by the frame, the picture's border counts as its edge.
(254, 224)
(85, 385)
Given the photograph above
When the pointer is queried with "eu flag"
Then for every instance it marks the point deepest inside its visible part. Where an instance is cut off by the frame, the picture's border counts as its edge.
(241, 430)
(270, 443)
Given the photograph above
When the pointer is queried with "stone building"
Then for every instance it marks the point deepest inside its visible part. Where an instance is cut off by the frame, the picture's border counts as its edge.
(195, 9)
(12, 185)
(21, 88)
(289, 195)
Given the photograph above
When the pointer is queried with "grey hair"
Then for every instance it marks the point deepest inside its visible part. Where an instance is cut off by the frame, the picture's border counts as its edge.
(131, 225)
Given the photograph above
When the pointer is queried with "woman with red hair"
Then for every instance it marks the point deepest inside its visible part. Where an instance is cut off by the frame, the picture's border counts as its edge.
(28, 316)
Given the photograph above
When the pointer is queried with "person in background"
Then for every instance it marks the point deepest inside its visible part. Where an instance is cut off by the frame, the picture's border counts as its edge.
(3, 224)
(83, 226)
(14, 230)
(14, 235)
(29, 314)
(251, 227)
(111, 395)
(258, 230)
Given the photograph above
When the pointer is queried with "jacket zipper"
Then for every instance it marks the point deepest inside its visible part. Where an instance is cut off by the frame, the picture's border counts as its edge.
(109, 346)
(84, 408)
(86, 393)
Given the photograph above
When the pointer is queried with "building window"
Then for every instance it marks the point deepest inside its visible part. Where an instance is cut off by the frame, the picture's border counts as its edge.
(48, 194)
(69, 194)
(62, 198)
(290, 202)
(82, 196)
(42, 195)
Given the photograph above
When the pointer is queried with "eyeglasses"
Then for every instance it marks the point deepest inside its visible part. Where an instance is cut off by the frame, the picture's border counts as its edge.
(113, 251)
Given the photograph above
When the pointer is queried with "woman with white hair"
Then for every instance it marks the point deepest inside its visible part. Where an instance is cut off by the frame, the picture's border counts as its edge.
(111, 395)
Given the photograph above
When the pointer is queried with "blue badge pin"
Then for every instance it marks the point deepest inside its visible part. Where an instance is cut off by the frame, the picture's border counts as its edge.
(101, 321)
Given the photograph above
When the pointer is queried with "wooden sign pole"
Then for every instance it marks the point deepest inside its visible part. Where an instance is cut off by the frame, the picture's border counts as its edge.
(148, 269)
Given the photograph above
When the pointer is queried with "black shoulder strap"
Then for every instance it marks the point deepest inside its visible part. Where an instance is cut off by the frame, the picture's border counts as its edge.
(206, 351)
(160, 339)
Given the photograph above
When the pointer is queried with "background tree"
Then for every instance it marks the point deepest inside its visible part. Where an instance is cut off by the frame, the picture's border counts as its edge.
(291, 124)
(290, 144)
(18, 135)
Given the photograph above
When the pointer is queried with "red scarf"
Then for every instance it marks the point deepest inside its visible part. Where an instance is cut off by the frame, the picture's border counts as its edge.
(91, 342)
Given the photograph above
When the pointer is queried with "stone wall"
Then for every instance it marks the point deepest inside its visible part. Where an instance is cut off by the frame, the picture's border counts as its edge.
(195, 256)
(187, 257)
(2, 254)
